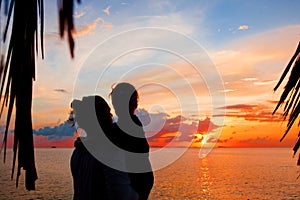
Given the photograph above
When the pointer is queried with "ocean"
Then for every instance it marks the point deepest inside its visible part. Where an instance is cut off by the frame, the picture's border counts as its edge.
(226, 173)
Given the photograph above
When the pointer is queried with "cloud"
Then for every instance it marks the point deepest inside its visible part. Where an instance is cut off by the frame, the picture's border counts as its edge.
(106, 25)
(243, 27)
(61, 90)
(273, 102)
(216, 140)
(266, 82)
(161, 129)
(57, 132)
(243, 107)
(205, 126)
(88, 29)
(228, 90)
(261, 113)
(251, 64)
(256, 140)
(107, 10)
(249, 79)
(78, 15)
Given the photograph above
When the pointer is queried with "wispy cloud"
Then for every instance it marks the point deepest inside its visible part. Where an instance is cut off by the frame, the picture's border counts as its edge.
(88, 29)
(251, 65)
(266, 82)
(241, 107)
(243, 27)
(256, 140)
(228, 90)
(261, 113)
(249, 53)
(106, 25)
(78, 15)
(61, 90)
(215, 140)
(249, 79)
(107, 10)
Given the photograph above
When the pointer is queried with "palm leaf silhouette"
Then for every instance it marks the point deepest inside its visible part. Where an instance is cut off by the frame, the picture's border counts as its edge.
(291, 93)
(66, 22)
(17, 73)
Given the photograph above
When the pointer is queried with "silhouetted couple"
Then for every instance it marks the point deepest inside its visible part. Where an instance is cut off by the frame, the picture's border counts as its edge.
(112, 161)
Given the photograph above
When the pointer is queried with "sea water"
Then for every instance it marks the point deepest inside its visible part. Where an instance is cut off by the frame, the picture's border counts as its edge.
(226, 173)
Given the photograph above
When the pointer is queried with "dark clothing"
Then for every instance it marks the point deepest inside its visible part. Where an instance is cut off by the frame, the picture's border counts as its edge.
(141, 182)
(85, 168)
(94, 180)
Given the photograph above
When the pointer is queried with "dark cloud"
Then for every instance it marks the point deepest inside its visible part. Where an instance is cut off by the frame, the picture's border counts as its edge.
(198, 140)
(225, 140)
(273, 102)
(256, 140)
(216, 140)
(205, 126)
(56, 132)
(212, 140)
(261, 113)
(163, 128)
(61, 90)
(240, 107)
(159, 127)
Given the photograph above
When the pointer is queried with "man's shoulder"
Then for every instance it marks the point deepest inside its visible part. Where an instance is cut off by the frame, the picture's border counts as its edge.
(136, 120)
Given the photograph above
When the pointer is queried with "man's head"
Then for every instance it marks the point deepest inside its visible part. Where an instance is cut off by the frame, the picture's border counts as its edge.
(124, 99)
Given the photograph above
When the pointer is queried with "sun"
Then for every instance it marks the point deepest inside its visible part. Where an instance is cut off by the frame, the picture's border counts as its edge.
(204, 139)
(199, 140)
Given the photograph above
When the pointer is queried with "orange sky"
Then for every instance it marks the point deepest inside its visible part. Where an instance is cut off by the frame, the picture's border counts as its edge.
(192, 59)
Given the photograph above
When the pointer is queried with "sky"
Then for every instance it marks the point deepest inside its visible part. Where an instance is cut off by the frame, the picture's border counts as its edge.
(205, 70)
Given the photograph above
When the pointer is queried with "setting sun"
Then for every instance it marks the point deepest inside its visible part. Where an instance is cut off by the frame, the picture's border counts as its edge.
(204, 139)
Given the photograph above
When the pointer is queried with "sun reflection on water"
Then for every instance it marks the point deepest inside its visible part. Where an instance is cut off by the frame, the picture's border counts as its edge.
(205, 178)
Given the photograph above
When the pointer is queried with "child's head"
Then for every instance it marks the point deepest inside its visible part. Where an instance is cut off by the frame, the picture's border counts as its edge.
(90, 111)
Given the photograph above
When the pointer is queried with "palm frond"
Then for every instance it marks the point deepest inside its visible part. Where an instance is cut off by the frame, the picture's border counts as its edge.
(292, 93)
(66, 21)
(17, 77)
(288, 67)
(17, 73)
